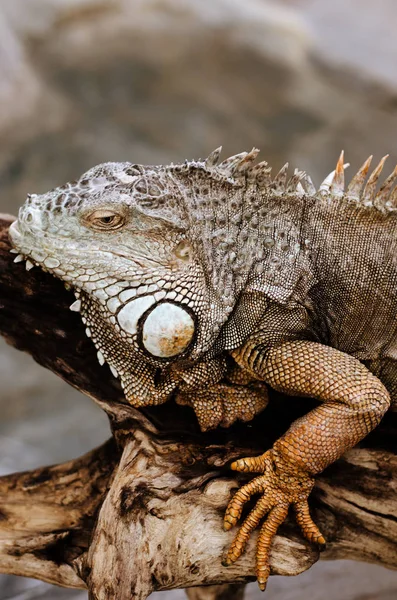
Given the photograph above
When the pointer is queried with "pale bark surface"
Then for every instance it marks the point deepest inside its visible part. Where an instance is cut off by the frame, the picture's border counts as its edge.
(144, 511)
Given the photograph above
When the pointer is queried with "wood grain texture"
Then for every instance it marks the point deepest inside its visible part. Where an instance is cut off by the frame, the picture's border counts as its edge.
(144, 512)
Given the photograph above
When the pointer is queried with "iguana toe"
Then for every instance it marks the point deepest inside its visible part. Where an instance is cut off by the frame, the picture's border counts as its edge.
(224, 403)
(280, 490)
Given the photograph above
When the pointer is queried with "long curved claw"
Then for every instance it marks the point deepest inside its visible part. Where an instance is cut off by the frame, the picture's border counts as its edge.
(251, 522)
(280, 489)
(307, 525)
(236, 504)
(269, 529)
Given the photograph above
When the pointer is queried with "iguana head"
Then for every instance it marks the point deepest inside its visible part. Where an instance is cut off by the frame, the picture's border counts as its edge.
(160, 258)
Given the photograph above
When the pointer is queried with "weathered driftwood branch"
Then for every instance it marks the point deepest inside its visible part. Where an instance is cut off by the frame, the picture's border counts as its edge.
(144, 511)
(47, 515)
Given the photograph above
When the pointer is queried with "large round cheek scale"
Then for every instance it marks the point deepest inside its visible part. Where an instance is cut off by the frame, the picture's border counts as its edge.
(130, 314)
(167, 330)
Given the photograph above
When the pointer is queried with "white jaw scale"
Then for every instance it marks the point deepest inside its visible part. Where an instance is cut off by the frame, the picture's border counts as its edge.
(130, 314)
(167, 330)
(29, 265)
(76, 306)
(114, 371)
(20, 257)
(101, 358)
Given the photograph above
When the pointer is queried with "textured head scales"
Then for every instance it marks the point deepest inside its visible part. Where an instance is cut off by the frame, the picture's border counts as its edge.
(232, 207)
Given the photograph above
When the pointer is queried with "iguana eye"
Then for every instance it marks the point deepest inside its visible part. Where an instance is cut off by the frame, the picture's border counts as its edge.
(105, 220)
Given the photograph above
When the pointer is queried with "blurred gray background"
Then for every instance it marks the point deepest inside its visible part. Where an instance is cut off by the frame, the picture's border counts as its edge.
(87, 81)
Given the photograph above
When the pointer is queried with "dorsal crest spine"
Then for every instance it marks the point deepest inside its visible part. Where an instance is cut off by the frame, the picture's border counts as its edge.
(361, 190)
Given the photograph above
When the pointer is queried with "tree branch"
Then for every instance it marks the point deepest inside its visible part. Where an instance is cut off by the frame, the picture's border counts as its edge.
(144, 511)
(47, 515)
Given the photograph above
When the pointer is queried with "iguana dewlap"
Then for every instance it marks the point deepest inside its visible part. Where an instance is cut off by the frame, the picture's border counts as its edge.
(205, 281)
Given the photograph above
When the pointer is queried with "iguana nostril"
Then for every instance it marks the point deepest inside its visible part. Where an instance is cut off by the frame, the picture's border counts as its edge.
(33, 217)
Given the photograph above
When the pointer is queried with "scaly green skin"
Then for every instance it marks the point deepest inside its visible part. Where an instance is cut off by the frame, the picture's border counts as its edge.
(207, 281)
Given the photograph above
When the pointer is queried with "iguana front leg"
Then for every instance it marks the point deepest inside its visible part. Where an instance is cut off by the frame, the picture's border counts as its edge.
(354, 402)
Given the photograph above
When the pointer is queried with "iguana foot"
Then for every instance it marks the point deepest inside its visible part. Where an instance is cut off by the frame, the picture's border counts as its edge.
(225, 403)
(280, 489)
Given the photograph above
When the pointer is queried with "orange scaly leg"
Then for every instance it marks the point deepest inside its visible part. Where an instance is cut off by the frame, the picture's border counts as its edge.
(354, 402)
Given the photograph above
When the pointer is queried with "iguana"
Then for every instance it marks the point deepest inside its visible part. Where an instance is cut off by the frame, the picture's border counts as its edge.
(208, 280)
